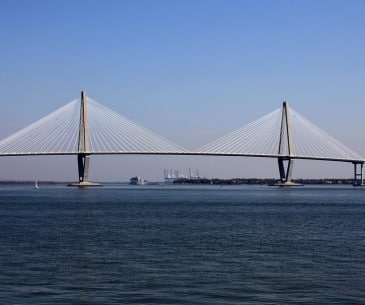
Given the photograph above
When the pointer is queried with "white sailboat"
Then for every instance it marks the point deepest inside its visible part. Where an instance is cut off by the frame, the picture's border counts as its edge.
(36, 185)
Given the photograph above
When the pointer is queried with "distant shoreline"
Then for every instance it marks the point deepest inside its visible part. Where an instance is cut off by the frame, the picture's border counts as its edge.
(205, 181)
(264, 181)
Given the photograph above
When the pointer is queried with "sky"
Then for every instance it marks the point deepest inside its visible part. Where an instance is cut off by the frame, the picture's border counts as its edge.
(191, 71)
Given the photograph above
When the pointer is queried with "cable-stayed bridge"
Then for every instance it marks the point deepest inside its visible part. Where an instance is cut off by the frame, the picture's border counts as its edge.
(83, 127)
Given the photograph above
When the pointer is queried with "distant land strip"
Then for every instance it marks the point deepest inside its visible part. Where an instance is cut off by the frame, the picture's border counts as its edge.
(206, 181)
(267, 181)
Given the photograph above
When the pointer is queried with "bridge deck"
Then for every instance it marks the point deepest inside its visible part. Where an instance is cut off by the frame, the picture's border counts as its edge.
(190, 153)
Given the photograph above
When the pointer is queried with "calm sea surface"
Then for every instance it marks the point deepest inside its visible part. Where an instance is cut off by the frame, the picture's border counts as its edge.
(182, 245)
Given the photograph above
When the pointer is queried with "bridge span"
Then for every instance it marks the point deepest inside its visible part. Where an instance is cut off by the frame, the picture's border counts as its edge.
(84, 127)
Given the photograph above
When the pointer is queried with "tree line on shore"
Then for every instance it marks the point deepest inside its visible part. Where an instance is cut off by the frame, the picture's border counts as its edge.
(268, 181)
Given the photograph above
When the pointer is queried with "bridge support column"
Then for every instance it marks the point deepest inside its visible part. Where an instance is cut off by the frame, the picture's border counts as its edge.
(84, 146)
(285, 150)
(285, 171)
(358, 175)
(83, 164)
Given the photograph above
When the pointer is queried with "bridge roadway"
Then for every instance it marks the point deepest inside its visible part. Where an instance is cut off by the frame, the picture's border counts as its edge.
(189, 153)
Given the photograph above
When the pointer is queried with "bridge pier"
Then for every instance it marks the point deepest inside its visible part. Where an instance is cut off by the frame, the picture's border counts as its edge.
(358, 175)
(83, 160)
(285, 171)
(83, 165)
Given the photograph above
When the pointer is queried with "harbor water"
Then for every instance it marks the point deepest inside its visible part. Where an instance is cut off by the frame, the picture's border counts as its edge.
(182, 245)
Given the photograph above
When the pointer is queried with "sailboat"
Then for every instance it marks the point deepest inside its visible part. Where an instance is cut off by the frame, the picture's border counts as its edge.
(36, 185)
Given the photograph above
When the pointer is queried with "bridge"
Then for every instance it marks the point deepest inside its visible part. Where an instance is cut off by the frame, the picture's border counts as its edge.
(84, 127)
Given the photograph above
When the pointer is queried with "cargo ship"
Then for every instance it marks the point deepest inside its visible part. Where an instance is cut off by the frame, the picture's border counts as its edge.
(137, 181)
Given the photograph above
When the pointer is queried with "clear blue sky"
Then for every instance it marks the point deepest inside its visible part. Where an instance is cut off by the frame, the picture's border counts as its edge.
(189, 70)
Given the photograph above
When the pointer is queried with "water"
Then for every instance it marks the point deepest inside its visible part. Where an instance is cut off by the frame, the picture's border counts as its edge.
(182, 245)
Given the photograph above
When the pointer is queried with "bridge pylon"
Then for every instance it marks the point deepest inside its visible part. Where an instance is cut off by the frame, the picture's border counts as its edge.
(358, 175)
(285, 162)
(83, 156)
